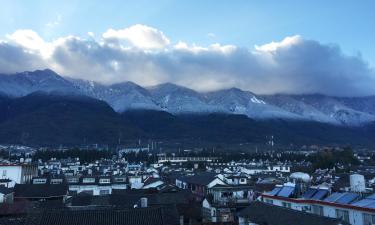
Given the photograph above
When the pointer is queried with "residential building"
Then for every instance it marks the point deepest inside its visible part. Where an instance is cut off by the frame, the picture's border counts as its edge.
(259, 213)
(17, 173)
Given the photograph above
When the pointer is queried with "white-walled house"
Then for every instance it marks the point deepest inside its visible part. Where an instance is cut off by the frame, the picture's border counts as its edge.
(223, 202)
(236, 180)
(17, 173)
(350, 207)
(96, 185)
(199, 183)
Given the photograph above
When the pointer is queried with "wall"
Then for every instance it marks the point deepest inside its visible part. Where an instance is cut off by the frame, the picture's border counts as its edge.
(355, 216)
(11, 172)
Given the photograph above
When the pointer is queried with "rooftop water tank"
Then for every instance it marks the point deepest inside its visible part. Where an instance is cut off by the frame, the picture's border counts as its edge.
(357, 183)
(300, 176)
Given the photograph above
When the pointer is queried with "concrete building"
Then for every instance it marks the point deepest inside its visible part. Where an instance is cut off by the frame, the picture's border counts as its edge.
(350, 207)
(17, 173)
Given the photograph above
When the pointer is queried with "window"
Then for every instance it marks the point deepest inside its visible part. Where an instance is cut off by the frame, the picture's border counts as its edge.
(305, 208)
(368, 219)
(90, 192)
(4, 173)
(120, 179)
(318, 210)
(104, 192)
(39, 181)
(72, 180)
(105, 181)
(342, 214)
(56, 181)
(88, 180)
(287, 205)
(269, 201)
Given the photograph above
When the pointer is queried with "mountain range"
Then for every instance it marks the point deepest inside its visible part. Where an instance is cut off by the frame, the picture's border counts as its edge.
(178, 100)
(42, 108)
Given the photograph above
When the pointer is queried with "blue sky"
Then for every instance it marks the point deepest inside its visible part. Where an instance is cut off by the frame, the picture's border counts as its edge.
(318, 46)
(349, 24)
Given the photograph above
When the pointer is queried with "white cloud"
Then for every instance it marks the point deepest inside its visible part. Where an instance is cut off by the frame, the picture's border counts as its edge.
(140, 36)
(223, 49)
(31, 41)
(28, 39)
(91, 34)
(293, 65)
(285, 43)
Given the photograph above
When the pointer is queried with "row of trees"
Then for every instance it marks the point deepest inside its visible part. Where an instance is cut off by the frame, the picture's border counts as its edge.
(328, 158)
(324, 159)
(87, 156)
(83, 155)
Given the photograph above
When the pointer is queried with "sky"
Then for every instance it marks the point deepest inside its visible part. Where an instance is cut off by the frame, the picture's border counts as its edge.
(265, 46)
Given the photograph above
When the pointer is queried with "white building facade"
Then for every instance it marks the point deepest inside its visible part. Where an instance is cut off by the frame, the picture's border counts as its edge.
(17, 174)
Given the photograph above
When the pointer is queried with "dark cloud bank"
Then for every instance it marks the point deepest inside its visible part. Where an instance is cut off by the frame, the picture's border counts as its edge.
(293, 65)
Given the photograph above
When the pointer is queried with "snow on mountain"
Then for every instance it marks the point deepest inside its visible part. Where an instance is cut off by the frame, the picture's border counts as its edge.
(121, 97)
(128, 95)
(362, 104)
(237, 101)
(21, 84)
(288, 103)
(327, 109)
(335, 109)
(179, 100)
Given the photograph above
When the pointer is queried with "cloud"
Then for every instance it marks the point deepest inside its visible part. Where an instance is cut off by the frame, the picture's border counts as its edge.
(13, 58)
(27, 39)
(31, 42)
(146, 56)
(139, 36)
(274, 46)
(91, 34)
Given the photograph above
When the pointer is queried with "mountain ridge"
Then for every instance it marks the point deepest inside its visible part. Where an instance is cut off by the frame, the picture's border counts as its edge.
(54, 119)
(175, 99)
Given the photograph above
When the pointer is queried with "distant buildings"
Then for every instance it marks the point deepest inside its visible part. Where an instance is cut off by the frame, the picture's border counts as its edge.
(175, 191)
(176, 159)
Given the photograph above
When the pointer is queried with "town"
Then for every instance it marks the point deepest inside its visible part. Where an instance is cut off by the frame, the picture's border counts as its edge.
(139, 184)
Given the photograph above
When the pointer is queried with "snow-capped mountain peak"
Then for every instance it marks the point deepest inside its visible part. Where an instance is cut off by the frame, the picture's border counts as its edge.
(178, 99)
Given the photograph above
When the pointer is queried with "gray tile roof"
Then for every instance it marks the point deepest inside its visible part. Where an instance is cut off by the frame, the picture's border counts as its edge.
(40, 190)
(139, 216)
(199, 179)
(262, 213)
